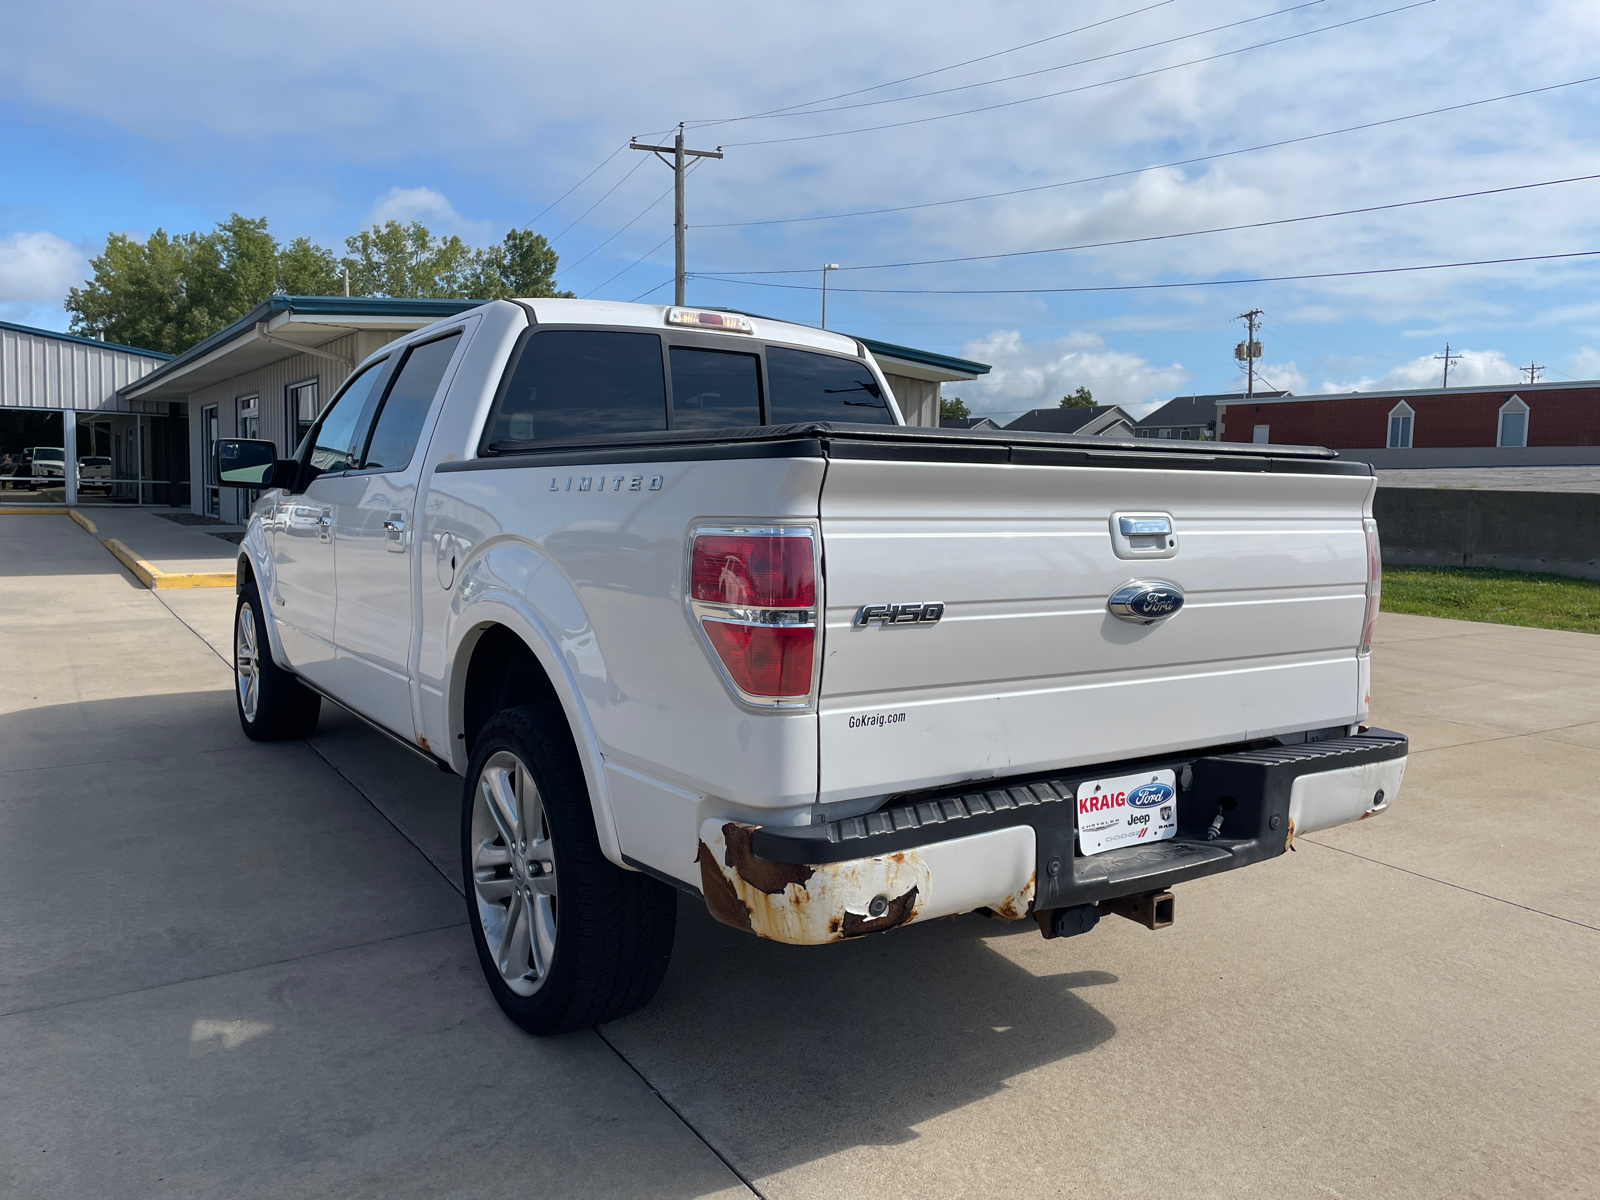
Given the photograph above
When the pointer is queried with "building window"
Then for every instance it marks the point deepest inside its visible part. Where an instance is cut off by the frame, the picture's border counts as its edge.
(300, 403)
(249, 416)
(1166, 433)
(1262, 435)
(1513, 423)
(1400, 418)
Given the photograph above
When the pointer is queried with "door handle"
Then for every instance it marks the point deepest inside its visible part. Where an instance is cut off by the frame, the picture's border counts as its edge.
(394, 529)
(325, 525)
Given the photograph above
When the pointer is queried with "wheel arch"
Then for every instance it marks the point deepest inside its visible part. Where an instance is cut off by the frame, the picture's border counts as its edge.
(503, 656)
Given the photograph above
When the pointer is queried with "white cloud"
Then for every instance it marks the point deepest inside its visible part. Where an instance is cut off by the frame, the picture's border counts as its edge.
(38, 268)
(1038, 374)
(1285, 376)
(1584, 363)
(1475, 368)
(432, 208)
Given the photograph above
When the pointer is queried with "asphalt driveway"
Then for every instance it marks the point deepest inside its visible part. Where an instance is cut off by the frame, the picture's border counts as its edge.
(229, 969)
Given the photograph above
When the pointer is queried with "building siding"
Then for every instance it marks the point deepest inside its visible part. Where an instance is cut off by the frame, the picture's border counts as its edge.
(918, 399)
(271, 383)
(1556, 417)
(38, 371)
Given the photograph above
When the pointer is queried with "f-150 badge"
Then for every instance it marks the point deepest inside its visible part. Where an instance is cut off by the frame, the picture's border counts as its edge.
(925, 613)
(1144, 602)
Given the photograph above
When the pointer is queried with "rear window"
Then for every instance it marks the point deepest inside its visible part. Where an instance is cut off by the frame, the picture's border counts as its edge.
(820, 387)
(576, 383)
(714, 389)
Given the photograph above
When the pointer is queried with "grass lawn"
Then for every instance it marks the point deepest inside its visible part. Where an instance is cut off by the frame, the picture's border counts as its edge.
(1502, 597)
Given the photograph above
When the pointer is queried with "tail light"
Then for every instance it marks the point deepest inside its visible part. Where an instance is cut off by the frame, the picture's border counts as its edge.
(753, 593)
(1374, 583)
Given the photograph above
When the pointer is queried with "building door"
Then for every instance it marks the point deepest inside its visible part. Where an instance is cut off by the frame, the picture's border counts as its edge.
(373, 531)
(1263, 435)
(303, 586)
(212, 503)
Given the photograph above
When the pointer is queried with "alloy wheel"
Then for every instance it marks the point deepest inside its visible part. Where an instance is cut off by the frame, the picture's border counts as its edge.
(514, 873)
(247, 661)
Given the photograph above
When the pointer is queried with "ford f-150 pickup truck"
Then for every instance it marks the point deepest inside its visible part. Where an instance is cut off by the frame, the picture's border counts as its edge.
(690, 609)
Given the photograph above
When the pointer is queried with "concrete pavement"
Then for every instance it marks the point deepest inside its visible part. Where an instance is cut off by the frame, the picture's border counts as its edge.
(238, 969)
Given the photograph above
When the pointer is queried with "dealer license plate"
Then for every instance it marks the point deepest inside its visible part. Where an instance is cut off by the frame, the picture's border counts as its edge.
(1126, 811)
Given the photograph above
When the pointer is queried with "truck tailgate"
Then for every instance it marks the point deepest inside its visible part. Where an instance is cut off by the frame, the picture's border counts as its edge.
(1027, 670)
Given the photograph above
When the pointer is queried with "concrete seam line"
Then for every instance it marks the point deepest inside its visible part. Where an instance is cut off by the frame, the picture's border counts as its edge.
(356, 787)
(677, 1112)
(277, 962)
(1434, 879)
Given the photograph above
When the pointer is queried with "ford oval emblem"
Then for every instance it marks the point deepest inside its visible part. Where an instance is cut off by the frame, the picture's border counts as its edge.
(1144, 602)
(1149, 795)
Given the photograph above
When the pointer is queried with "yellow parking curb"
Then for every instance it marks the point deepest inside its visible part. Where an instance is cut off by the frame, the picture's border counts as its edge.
(153, 577)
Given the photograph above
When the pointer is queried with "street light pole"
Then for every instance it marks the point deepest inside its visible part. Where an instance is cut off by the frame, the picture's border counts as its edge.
(826, 267)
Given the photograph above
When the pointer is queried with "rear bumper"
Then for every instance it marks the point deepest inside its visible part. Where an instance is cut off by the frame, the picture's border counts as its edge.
(1012, 848)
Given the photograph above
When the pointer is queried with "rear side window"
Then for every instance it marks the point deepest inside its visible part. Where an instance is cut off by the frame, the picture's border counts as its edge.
(405, 409)
(576, 383)
(820, 387)
(714, 389)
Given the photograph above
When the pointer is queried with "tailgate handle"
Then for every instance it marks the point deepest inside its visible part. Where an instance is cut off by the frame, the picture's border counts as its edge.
(1144, 526)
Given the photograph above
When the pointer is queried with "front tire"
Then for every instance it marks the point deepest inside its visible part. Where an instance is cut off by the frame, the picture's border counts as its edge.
(273, 705)
(566, 939)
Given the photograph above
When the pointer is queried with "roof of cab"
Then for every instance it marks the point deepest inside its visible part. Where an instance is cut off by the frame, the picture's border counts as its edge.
(550, 311)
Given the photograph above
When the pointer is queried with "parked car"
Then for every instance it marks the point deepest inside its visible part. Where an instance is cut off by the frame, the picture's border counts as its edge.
(691, 610)
(93, 467)
(44, 465)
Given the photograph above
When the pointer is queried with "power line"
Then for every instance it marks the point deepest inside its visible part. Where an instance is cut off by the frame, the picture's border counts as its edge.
(624, 229)
(597, 203)
(657, 288)
(1183, 162)
(966, 87)
(1162, 237)
(631, 265)
(936, 71)
(809, 137)
(1144, 287)
(577, 185)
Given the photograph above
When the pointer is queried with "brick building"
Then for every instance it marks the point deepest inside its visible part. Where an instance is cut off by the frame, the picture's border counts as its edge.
(1543, 421)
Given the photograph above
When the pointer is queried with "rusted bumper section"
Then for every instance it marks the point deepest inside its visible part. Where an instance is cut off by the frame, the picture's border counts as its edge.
(808, 905)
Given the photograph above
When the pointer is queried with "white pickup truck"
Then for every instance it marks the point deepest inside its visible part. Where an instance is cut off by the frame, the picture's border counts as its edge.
(691, 609)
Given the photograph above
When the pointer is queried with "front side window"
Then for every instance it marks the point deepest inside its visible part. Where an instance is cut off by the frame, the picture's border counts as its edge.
(405, 408)
(714, 389)
(821, 387)
(579, 383)
(336, 446)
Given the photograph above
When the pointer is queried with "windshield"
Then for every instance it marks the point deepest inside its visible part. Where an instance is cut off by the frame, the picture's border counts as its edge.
(48, 453)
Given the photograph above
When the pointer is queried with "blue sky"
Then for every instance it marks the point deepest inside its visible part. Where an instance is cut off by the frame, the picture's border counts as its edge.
(477, 117)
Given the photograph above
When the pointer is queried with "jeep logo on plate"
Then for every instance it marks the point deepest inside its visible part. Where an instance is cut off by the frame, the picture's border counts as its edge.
(1144, 602)
(1149, 795)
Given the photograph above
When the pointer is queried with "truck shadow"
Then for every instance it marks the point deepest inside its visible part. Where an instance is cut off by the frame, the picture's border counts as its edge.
(782, 1055)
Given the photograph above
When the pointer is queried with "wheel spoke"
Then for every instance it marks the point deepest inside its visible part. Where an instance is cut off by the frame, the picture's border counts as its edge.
(502, 802)
(543, 943)
(514, 947)
(492, 891)
(489, 855)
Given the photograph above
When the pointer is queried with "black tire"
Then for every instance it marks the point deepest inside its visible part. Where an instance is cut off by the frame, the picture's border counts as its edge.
(613, 928)
(284, 707)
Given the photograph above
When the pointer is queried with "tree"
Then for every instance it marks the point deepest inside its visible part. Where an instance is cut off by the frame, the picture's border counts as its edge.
(523, 264)
(171, 291)
(951, 408)
(1082, 398)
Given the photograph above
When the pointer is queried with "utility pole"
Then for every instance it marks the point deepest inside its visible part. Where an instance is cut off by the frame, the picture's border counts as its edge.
(1532, 371)
(676, 163)
(1448, 358)
(1249, 350)
(826, 267)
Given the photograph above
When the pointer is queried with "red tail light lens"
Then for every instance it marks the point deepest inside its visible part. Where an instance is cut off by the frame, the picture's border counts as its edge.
(765, 660)
(753, 571)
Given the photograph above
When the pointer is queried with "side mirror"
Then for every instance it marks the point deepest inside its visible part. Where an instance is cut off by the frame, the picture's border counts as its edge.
(246, 463)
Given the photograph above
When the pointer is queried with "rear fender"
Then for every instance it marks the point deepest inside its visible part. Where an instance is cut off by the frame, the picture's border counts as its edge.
(511, 583)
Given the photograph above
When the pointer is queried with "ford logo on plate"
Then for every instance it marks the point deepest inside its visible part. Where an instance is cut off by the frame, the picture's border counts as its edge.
(1144, 602)
(1149, 795)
